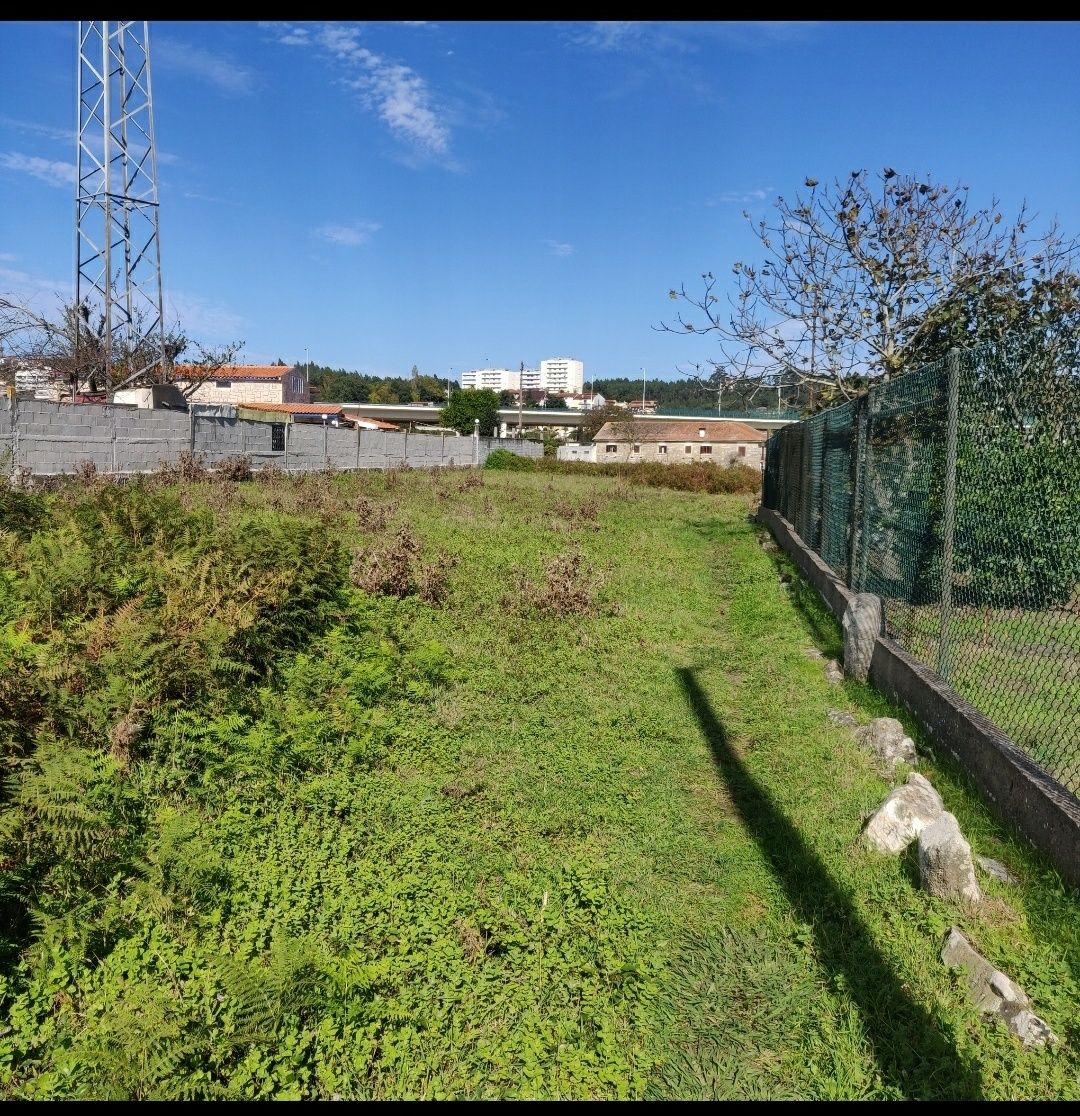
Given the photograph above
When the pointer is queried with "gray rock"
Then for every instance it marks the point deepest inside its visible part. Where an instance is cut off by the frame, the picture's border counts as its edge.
(833, 672)
(907, 811)
(862, 625)
(886, 738)
(996, 870)
(842, 717)
(993, 993)
(945, 866)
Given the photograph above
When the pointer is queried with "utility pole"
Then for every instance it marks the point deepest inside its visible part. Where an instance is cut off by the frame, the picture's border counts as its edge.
(643, 391)
(521, 394)
(117, 242)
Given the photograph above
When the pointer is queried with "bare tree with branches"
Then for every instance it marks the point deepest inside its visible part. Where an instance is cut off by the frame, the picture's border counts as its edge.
(864, 278)
(72, 348)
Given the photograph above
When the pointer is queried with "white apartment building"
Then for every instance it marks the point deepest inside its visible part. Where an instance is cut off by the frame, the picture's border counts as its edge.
(563, 374)
(492, 379)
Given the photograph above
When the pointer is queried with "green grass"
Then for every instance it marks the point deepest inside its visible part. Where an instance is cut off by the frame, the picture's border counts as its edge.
(515, 842)
(1021, 667)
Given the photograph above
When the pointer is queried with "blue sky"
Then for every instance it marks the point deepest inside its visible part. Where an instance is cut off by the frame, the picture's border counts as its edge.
(462, 194)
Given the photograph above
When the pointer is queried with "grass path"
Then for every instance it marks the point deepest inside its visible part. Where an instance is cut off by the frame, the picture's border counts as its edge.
(612, 854)
(686, 744)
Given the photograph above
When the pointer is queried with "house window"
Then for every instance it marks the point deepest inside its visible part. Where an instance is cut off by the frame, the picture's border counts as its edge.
(611, 449)
(689, 449)
(742, 451)
(701, 432)
(661, 449)
(637, 448)
(277, 436)
(704, 449)
(223, 383)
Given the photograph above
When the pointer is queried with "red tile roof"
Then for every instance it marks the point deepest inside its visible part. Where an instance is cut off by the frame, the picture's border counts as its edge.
(235, 372)
(295, 408)
(682, 431)
(373, 423)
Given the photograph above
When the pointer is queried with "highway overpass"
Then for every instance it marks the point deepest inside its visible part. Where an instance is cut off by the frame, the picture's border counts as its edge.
(427, 414)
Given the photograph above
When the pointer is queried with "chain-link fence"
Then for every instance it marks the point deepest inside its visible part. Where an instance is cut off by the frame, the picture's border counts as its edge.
(953, 492)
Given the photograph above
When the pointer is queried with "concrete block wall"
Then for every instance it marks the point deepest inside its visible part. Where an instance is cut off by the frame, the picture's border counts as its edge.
(51, 438)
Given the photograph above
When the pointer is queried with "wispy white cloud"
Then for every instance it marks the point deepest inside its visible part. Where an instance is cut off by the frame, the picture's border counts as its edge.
(202, 319)
(355, 234)
(16, 280)
(743, 197)
(610, 34)
(396, 93)
(558, 248)
(634, 36)
(53, 171)
(44, 296)
(289, 34)
(218, 70)
(60, 135)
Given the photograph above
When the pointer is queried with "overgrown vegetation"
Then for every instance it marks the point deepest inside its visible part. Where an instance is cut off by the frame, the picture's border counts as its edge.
(696, 477)
(579, 827)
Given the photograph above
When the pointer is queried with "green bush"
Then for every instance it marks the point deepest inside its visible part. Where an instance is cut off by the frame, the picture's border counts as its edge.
(696, 477)
(509, 461)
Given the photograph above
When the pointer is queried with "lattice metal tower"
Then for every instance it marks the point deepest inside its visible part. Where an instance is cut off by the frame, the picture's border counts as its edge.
(118, 259)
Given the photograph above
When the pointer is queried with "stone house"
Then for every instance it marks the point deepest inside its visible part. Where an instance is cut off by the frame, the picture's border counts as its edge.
(247, 383)
(723, 442)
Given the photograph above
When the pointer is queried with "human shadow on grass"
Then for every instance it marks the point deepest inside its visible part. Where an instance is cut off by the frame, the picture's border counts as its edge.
(911, 1053)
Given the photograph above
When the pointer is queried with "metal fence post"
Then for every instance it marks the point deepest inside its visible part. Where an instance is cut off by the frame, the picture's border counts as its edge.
(325, 441)
(191, 431)
(857, 495)
(288, 427)
(949, 513)
(358, 445)
(405, 448)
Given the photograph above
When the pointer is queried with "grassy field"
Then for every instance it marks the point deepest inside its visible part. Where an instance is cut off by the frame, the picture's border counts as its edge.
(465, 785)
(1021, 667)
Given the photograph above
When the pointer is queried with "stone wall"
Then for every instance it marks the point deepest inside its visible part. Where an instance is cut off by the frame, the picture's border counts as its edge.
(720, 453)
(49, 438)
(1018, 792)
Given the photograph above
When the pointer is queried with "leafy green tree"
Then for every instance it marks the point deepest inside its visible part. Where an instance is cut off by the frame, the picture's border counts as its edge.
(464, 406)
(383, 393)
(594, 420)
(555, 403)
(429, 389)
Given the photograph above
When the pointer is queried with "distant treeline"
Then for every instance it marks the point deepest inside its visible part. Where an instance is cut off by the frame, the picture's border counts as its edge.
(685, 392)
(336, 385)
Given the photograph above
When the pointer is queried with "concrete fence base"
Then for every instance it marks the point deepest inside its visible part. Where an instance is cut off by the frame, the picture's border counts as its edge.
(1017, 790)
(50, 438)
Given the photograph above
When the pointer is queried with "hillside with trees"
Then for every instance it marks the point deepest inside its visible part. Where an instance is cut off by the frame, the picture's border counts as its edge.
(336, 385)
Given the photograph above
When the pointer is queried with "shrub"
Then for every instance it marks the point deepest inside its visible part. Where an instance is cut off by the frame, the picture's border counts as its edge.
(187, 467)
(236, 468)
(697, 477)
(568, 588)
(508, 461)
(396, 570)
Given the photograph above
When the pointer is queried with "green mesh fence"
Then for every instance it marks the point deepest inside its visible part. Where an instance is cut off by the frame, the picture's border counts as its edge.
(953, 493)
